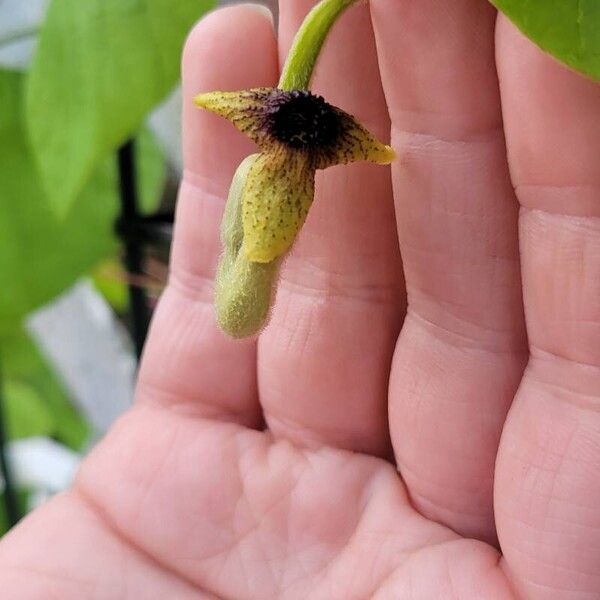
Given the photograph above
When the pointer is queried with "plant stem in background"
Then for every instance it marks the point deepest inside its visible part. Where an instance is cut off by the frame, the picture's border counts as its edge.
(9, 494)
(134, 258)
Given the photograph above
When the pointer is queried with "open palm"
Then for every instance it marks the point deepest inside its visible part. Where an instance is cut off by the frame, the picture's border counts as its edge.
(360, 449)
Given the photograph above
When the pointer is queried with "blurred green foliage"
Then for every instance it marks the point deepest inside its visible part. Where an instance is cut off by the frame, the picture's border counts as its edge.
(28, 378)
(28, 413)
(109, 280)
(40, 253)
(101, 65)
(570, 30)
(22, 501)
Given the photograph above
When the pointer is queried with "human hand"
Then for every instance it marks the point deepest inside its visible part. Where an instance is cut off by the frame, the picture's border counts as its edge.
(188, 496)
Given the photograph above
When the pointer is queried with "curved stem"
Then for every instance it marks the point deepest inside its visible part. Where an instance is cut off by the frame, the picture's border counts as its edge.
(302, 57)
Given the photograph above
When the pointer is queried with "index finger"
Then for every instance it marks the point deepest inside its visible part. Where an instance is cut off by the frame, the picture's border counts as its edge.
(188, 361)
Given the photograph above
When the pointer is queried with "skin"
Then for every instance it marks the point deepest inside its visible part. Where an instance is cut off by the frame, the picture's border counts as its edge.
(359, 449)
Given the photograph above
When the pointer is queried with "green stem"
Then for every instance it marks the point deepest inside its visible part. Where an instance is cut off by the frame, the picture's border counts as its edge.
(302, 57)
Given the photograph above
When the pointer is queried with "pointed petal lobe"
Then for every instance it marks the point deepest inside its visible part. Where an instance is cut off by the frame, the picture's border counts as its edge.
(354, 143)
(245, 109)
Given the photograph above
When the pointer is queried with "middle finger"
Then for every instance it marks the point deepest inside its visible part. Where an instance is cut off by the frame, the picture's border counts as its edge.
(323, 363)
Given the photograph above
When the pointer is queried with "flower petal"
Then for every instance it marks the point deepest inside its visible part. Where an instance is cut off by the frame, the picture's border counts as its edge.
(245, 109)
(278, 193)
(354, 143)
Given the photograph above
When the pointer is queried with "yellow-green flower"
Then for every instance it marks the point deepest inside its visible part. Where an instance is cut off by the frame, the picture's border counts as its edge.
(297, 133)
(271, 192)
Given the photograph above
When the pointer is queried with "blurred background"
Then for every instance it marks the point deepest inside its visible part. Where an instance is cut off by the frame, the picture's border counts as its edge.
(90, 161)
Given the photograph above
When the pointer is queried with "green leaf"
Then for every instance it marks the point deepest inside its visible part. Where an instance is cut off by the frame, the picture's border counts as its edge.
(100, 66)
(151, 171)
(27, 414)
(41, 254)
(23, 363)
(567, 29)
(109, 280)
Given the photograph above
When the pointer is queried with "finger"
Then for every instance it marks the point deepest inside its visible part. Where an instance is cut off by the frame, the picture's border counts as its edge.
(324, 360)
(461, 351)
(547, 485)
(188, 361)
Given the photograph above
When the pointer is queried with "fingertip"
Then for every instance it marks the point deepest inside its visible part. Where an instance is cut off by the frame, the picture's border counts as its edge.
(231, 48)
(261, 9)
(223, 28)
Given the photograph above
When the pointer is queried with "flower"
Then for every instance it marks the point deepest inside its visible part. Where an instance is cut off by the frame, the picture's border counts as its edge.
(297, 133)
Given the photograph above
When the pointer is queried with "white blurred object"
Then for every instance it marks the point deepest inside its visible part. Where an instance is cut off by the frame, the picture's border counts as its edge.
(165, 123)
(89, 350)
(19, 24)
(37, 498)
(41, 464)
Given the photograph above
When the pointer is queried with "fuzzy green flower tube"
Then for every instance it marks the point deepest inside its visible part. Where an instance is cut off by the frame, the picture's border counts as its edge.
(271, 193)
(243, 289)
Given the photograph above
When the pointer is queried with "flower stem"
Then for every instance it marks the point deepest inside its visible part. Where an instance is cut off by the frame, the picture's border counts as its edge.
(302, 57)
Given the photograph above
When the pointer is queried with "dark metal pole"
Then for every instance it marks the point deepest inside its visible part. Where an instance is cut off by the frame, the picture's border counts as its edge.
(10, 497)
(138, 300)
